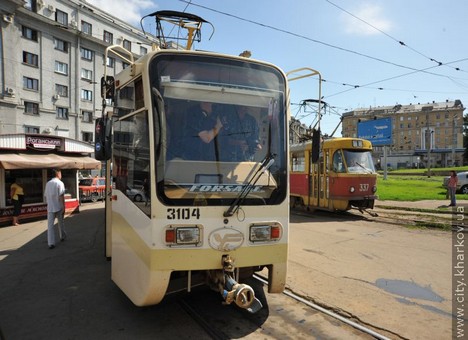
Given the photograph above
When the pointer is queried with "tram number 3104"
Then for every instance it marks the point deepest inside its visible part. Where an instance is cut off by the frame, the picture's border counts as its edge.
(183, 213)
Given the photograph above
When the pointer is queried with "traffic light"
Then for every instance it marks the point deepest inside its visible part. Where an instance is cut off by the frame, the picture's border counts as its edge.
(107, 87)
(103, 139)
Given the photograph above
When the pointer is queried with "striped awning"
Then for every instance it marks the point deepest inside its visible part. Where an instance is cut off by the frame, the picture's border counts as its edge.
(11, 161)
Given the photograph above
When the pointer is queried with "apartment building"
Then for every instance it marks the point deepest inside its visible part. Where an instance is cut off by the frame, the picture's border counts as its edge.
(51, 64)
(420, 133)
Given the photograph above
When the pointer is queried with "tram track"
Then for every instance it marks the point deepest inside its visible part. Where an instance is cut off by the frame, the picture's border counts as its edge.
(395, 216)
(286, 316)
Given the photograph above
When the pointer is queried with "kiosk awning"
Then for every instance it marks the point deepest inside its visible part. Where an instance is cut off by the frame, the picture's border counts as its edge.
(11, 161)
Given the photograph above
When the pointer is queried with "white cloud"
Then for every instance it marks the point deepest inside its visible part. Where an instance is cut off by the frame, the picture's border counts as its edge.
(370, 13)
(130, 11)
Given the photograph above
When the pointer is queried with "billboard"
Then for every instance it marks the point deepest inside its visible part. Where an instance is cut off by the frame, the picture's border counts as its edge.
(378, 131)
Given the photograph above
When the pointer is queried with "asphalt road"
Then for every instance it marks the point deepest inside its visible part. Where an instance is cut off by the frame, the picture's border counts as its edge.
(391, 277)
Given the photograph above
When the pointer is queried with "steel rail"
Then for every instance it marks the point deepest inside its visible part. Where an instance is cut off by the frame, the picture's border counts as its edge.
(327, 312)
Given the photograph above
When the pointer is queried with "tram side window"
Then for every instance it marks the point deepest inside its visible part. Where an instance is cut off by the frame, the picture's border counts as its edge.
(31, 182)
(338, 165)
(131, 162)
(298, 163)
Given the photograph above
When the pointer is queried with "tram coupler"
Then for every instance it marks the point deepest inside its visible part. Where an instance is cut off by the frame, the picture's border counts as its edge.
(373, 214)
(241, 294)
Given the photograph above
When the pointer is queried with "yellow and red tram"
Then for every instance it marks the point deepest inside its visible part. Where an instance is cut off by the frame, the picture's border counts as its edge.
(344, 176)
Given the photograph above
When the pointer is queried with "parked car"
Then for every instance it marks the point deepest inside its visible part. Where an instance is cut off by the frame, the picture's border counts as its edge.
(135, 194)
(92, 189)
(462, 186)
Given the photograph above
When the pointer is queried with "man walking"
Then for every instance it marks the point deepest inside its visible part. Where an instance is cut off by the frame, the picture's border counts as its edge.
(55, 197)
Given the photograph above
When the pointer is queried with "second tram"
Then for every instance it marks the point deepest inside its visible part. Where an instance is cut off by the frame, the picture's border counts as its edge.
(344, 176)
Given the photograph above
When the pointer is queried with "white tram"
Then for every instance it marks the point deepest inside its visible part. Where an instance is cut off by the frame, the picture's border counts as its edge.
(213, 213)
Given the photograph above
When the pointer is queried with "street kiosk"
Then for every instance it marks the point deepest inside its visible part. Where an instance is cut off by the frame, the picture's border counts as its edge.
(29, 158)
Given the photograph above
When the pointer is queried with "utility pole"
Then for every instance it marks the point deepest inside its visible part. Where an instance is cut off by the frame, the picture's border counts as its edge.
(428, 139)
(454, 137)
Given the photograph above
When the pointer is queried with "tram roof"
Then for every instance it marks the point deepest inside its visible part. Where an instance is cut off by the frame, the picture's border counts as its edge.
(336, 143)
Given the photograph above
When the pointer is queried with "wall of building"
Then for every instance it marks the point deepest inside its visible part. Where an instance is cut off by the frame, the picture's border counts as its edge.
(415, 127)
(43, 43)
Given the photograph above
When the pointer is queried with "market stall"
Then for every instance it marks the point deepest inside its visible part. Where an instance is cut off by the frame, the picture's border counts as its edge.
(29, 159)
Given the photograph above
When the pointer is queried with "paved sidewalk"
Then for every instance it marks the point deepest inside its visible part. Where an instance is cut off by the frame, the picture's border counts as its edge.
(67, 292)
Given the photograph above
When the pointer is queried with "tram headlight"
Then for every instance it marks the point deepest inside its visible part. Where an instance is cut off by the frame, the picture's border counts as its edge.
(351, 189)
(183, 235)
(374, 189)
(265, 233)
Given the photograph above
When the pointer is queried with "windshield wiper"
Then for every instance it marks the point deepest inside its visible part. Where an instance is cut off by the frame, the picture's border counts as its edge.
(362, 166)
(266, 164)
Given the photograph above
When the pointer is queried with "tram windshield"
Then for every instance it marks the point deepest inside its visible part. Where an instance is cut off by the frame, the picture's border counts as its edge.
(358, 161)
(218, 122)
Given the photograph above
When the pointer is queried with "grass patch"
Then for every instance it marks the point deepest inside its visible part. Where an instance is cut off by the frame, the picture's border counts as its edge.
(411, 188)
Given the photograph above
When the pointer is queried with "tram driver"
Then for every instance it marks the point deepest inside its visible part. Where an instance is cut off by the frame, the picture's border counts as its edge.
(241, 134)
(202, 129)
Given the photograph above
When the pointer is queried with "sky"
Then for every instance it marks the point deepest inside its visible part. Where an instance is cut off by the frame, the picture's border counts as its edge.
(369, 53)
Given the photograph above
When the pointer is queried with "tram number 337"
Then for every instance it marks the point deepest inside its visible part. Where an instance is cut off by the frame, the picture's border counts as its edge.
(183, 213)
(363, 187)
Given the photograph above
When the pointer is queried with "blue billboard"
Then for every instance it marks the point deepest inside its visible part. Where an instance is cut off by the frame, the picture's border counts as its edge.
(378, 131)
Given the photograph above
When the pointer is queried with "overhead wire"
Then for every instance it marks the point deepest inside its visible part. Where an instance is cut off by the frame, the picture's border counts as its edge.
(400, 42)
(414, 70)
(306, 38)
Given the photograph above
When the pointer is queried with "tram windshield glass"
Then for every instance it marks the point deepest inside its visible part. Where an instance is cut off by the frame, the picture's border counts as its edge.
(220, 128)
(358, 161)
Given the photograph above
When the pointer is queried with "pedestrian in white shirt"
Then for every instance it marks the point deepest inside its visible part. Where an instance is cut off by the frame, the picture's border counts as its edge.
(55, 197)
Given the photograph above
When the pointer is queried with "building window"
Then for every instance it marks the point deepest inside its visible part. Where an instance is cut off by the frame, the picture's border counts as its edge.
(143, 50)
(61, 67)
(86, 54)
(108, 37)
(127, 45)
(31, 108)
(110, 62)
(87, 116)
(87, 137)
(125, 65)
(86, 74)
(62, 113)
(61, 45)
(30, 5)
(86, 28)
(87, 95)
(30, 59)
(29, 33)
(61, 17)
(61, 90)
(31, 129)
(30, 83)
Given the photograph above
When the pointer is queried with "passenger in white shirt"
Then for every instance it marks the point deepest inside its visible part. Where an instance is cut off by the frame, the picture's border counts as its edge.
(55, 197)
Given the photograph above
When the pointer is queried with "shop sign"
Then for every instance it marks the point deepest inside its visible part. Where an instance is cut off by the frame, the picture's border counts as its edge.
(40, 142)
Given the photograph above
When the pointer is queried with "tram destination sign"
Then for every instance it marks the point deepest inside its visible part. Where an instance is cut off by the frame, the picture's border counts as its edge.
(377, 131)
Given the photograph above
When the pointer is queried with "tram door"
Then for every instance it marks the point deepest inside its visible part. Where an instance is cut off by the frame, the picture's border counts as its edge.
(318, 186)
(313, 182)
(323, 176)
